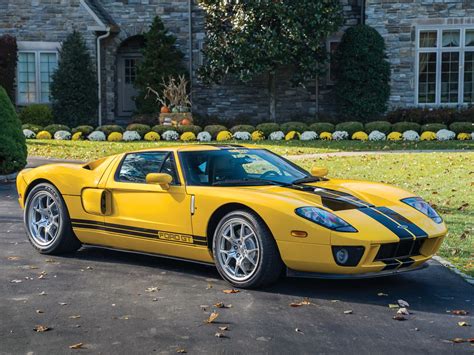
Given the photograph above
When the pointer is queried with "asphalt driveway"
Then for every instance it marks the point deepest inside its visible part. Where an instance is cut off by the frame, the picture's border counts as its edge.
(114, 302)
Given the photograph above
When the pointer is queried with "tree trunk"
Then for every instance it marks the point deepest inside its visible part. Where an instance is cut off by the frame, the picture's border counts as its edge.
(272, 95)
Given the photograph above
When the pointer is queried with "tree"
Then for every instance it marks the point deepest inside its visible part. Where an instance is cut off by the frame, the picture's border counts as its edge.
(74, 84)
(363, 75)
(12, 141)
(8, 59)
(161, 59)
(251, 38)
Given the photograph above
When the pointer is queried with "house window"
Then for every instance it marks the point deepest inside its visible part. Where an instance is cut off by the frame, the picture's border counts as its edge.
(332, 70)
(445, 66)
(37, 62)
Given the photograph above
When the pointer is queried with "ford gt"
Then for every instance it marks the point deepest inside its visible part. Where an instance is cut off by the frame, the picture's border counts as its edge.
(248, 211)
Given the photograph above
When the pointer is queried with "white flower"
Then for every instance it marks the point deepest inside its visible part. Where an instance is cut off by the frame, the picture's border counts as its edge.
(62, 135)
(472, 136)
(170, 135)
(410, 136)
(96, 136)
(243, 136)
(29, 134)
(308, 136)
(204, 136)
(340, 135)
(277, 136)
(129, 136)
(376, 136)
(445, 135)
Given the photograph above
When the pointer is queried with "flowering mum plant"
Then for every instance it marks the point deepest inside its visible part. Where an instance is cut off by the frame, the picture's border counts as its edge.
(465, 136)
(377, 136)
(292, 135)
(360, 136)
(170, 135)
(428, 136)
(62, 135)
(77, 136)
(224, 136)
(204, 137)
(411, 136)
(445, 135)
(308, 136)
(115, 137)
(325, 136)
(129, 136)
(276, 136)
(188, 136)
(395, 136)
(29, 134)
(151, 137)
(96, 136)
(340, 135)
(243, 136)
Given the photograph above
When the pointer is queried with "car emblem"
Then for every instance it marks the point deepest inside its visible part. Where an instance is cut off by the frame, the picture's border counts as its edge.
(402, 226)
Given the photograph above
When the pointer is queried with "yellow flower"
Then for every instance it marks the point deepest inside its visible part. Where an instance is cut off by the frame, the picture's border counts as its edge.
(360, 136)
(394, 136)
(77, 136)
(115, 137)
(292, 135)
(258, 136)
(325, 136)
(43, 135)
(224, 136)
(428, 136)
(461, 136)
(152, 137)
(188, 136)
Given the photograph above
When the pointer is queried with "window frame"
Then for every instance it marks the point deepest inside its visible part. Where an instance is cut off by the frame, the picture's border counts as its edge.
(439, 50)
(330, 41)
(37, 48)
(168, 154)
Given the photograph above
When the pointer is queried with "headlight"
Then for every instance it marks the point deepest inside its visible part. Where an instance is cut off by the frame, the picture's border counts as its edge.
(421, 205)
(325, 219)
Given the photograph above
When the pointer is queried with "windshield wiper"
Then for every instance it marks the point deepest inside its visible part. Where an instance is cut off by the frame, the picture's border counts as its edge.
(306, 179)
(249, 181)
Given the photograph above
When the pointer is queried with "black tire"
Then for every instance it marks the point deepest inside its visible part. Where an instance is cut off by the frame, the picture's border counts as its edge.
(64, 241)
(269, 266)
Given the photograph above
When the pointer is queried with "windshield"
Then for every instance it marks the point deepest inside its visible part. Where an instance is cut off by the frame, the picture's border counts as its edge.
(239, 166)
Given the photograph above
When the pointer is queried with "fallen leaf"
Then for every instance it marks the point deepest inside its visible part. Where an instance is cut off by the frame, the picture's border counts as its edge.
(459, 340)
(392, 306)
(224, 328)
(212, 317)
(222, 305)
(348, 311)
(209, 286)
(16, 281)
(304, 302)
(464, 324)
(39, 311)
(125, 317)
(220, 335)
(403, 311)
(459, 312)
(403, 303)
(152, 289)
(41, 328)
(62, 303)
(231, 291)
(13, 258)
(42, 293)
(399, 317)
(181, 351)
(75, 316)
(463, 206)
(77, 346)
(381, 294)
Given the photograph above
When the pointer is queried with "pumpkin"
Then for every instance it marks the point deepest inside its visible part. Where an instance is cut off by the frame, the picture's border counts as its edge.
(165, 109)
(185, 122)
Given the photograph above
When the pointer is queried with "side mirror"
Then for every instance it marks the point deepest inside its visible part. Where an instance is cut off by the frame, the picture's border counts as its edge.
(319, 171)
(164, 180)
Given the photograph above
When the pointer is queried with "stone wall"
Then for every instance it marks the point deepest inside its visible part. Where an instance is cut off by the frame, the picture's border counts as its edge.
(396, 21)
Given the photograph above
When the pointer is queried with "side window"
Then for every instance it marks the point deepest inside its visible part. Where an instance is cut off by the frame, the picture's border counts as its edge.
(136, 166)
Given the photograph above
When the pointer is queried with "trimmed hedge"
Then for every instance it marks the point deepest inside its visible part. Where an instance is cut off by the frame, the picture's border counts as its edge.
(160, 129)
(85, 130)
(381, 126)
(293, 126)
(433, 127)
(350, 127)
(321, 127)
(462, 127)
(213, 130)
(37, 114)
(268, 128)
(109, 128)
(32, 127)
(190, 128)
(243, 128)
(406, 126)
(53, 128)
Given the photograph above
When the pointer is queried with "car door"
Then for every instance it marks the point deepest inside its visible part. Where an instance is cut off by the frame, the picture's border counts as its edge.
(147, 217)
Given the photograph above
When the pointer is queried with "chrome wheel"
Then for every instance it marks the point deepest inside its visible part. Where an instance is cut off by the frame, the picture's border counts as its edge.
(43, 219)
(238, 249)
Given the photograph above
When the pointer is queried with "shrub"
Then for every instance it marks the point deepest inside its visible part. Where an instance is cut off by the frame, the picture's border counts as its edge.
(292, 135)
(160, 129)
(204, 136)
(433, 127)
(44, 135)
(325, 136)
(243, 136)
(215, 129)
(32, 127)
(320, 127)
(77, 136)
(141, 129)
(428, 136)
(85, 130)
(466, 115)
(381, 126)
(462, 127)
(406, 126)
(37, 114)
(410, 136)
(115, 137)
(276, 136)
(188, 136)
(129, 136)
(438, 115)
(74, 84)
(29, 134)
(107, 129)
(406, 115)
(53, 128)
(243, 128)
(340, 135)
(189, 128)
(308, 136)
(268, 128)
(464, 137)
(97, 136)
(395, 136)
(257, 136)
(152, 137)
(170, 135)
(350, 127)
(223, 136)
(362, 92)
(360, 136)
(8, 60)
(445, 135)
(377, 136)
(293, 126)
(62, 135)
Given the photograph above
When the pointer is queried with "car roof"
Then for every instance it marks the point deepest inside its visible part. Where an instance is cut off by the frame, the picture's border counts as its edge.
(196, 148)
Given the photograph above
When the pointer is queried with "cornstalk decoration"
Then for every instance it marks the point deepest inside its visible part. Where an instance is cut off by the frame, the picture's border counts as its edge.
(175, 91)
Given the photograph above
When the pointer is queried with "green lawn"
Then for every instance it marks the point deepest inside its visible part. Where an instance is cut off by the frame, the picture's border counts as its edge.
(446, 179)
(86, 150)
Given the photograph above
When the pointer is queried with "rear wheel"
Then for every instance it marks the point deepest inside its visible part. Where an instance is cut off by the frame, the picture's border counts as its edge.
(245, 252)
(47, 221)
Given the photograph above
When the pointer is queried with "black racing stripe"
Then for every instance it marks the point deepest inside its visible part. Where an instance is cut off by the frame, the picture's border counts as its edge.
(417, 231)
(387, 222)
(113, 225)
(391, 265)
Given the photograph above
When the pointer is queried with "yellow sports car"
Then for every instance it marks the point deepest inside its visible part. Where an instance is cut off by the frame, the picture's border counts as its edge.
(250, 212)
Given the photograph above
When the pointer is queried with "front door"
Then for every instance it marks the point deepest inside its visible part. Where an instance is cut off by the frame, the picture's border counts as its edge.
(127, 72)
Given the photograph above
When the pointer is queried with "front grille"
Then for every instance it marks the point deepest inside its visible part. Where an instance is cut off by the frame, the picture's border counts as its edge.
(402, 249)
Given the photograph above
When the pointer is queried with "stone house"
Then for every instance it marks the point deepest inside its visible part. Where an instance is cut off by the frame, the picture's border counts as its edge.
(430, 46)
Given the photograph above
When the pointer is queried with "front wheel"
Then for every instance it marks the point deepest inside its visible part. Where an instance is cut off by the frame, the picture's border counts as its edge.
(245, 252)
